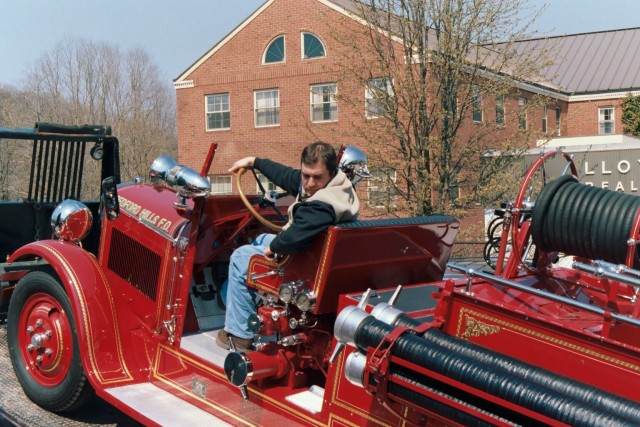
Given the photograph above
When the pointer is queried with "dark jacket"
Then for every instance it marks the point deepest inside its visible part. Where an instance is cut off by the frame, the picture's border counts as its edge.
(335, 203)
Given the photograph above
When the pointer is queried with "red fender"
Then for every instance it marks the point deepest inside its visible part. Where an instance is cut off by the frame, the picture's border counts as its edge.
(86, 285)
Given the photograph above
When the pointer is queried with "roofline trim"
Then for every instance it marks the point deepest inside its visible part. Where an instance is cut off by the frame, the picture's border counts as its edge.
(605, 95)
(177, 83)
(542, 91)
(358, 19)
(184, 84)
(585, 33)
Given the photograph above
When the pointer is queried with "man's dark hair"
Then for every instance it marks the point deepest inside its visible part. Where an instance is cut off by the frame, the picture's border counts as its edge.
(320, 150)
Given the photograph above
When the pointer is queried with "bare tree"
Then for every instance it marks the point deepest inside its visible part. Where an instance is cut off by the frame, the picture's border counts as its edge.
(13, 156)
(442, 81)
(85, 82)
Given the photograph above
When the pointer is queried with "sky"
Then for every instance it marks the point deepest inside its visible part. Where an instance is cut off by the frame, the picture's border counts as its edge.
(176, 33)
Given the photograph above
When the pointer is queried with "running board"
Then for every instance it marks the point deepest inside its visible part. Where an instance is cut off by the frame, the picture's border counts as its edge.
(162, 407)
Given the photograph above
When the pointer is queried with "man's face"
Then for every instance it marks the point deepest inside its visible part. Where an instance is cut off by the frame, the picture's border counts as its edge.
(314, 177)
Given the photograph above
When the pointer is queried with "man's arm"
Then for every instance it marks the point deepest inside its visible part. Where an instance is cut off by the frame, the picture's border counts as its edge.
(310, 219)
(283, 176)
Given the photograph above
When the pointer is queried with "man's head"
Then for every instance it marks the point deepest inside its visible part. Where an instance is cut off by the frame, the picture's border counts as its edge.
(318, 166)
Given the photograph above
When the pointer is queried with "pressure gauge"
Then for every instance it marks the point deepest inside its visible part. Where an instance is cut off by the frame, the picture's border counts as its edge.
(306, 300)
(288, 291)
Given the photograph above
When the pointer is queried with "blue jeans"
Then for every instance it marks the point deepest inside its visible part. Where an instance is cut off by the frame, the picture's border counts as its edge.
(240, 300)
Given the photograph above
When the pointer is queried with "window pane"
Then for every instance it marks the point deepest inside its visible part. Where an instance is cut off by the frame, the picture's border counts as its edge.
(220, 184)
(477, 105)
(380, 188)
(313, 48)
(218, 115)
(606, 120)
(275, 51)
(267, 108)
(267, 185)
(522, 102)
(376, 96)
(500, 110)
(323, 103)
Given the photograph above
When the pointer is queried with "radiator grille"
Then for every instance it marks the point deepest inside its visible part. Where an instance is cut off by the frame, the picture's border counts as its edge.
(134, 263)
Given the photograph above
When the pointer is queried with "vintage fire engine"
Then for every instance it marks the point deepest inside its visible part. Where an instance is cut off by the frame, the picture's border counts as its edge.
(361, 329)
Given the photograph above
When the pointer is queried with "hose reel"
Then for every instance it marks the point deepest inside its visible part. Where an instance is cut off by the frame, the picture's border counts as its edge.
(586, 221)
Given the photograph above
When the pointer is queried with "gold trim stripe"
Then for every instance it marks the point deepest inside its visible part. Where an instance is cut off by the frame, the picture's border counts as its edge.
(548, 338)
(83, 305)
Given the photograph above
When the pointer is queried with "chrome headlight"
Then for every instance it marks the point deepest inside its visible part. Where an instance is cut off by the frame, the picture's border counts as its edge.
(71, 221)
(166, 172)
(354, 164)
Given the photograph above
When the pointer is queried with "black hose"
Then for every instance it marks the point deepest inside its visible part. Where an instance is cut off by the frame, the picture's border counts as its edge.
(585, 221)
(521, 384)
(593, 397)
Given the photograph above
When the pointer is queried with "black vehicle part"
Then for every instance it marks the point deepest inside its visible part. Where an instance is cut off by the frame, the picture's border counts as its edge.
(585, 221)
(535, 389)
(516, 368)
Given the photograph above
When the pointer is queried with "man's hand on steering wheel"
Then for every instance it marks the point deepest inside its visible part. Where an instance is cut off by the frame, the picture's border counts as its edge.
(246, 163)
(239, 168)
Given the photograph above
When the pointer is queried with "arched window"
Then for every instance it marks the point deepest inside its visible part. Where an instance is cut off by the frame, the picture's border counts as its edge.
(312, 47)
(275, 51)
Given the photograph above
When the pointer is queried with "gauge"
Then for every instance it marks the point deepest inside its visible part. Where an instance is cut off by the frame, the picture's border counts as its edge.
(306, 300)
(287, 292)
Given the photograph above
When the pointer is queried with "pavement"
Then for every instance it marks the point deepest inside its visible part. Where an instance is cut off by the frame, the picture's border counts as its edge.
(17, 410)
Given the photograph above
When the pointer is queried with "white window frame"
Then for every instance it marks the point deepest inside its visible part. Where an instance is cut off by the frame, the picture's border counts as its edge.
(215, 111)
(218, 181)
(500, 103)
(558, 119)
(284, 47)
(544, 119)
(522, 114)
(302, 47)
(275, 108)
(331, 102)
(267, 184)
(375, 85)
(603, 121)
(382, 177)
(476, 104)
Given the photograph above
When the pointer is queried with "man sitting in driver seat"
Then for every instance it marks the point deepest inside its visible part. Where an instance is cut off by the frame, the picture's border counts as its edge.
(324, 196)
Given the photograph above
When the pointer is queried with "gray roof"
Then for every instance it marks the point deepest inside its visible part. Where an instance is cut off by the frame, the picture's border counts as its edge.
(590, 63)
(586, 63)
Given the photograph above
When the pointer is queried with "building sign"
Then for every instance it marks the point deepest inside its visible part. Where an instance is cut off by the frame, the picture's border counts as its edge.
(617, 170)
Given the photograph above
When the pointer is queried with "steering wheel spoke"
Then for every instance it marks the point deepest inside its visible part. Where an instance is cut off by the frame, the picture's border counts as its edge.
(268, 200)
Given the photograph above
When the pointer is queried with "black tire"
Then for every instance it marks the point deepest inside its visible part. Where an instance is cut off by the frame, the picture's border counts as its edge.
(40, 312)
(490, 252)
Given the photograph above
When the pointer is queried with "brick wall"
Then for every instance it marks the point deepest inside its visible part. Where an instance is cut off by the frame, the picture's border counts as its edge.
(582, 116)
(236, 68)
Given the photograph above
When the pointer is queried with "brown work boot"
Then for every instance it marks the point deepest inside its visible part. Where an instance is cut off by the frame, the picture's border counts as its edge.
(242, 344)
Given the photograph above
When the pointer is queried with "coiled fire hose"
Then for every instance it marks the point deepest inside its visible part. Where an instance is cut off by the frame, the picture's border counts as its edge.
(526, 386)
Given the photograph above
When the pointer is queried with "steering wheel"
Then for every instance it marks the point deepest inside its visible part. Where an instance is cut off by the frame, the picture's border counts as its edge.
(265, 201)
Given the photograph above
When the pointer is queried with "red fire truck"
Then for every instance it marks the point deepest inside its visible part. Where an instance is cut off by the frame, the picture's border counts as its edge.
(361, 329)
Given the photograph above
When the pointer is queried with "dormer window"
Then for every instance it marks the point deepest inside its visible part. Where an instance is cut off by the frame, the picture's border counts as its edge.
(275, 51)
(312, 47)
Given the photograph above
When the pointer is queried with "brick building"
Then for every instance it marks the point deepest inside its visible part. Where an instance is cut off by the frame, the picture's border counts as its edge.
(266, 88)
(592, 74)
